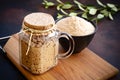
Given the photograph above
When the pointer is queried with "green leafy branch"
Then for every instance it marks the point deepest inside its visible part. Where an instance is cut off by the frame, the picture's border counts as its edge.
(89, 12)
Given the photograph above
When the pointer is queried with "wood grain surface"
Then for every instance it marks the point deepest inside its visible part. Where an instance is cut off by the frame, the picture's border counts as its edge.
(85, 65)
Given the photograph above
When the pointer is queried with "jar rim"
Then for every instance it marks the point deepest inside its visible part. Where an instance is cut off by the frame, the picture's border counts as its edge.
(39, 21)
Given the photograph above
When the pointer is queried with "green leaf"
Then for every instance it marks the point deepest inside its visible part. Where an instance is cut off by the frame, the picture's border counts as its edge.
(105, 12)
(110, 16)
(59, 6)
(73, 14)
(46, 6)
(80, 6)
(63, 12)
(84, 15)
(59, 15)
(50, 3)
(90, 7)
(100, 3)
(112, 6)
(67, 6)
(92, 10)
(78, 3)
(115, 9)
(44, 2)
(100, 16)
(59, 1)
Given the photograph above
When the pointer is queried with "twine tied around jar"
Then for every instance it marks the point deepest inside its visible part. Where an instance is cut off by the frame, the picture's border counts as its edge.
(33, 31)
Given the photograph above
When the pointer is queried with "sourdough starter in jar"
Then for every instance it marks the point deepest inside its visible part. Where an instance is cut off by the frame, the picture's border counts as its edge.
(38, 43)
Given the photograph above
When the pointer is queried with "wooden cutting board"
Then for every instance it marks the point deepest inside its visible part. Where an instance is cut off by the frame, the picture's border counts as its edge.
(83, 66)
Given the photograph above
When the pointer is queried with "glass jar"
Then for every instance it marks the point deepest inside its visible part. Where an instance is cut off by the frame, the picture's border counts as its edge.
(39, 43)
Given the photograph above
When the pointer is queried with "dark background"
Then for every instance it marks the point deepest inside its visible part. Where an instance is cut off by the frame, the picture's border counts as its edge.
(106, 42)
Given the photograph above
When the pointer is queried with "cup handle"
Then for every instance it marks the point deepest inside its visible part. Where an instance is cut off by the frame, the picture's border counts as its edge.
(71, 47)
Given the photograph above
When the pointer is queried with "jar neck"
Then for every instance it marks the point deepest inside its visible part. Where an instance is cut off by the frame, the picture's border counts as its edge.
(35, 31)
